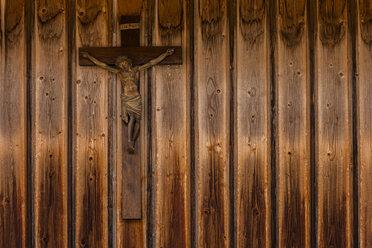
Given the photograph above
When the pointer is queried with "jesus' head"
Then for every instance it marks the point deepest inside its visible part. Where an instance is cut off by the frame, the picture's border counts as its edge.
(124, 63)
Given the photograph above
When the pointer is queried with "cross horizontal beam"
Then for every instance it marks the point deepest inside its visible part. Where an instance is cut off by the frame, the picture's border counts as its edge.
(138, 55)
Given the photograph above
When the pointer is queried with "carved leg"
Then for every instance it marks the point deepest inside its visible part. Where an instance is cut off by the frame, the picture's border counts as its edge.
(131, 123)
(136, 130)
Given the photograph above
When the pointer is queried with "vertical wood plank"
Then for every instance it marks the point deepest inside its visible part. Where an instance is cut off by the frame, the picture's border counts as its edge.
(131, 233)
(130, 8)
(13, 160)
(364, 61)
(171, 133)
(293, 101)
(131, 198)
(49, 128)
(333, 125)
(212, 123)
(252, 126)
(91, 125)
(71, 102)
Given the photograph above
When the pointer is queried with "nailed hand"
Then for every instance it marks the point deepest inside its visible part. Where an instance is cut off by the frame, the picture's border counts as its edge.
(85, 54)
(170, 51)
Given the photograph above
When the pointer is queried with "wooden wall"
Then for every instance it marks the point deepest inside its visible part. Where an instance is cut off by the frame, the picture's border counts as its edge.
(261, 138)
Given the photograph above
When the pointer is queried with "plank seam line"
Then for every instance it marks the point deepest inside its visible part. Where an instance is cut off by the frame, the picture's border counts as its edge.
(273, 131)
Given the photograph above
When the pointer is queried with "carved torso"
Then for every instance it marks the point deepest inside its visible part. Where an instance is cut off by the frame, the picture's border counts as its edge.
(131, 98)
(129, 82)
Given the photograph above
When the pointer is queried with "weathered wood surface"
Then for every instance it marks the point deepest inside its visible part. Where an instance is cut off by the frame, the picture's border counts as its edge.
(212, 123)
(132, 233)
(130, 8)
(131, 197)
(189, 195)
(333, 125)
(138, 55)
(170, 131)
(293, 132)
(13, 150)
(49, 130)
(252, 125)
(364, 65)
(91, 125)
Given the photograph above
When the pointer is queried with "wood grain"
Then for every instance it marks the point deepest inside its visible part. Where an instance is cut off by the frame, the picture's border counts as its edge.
(186, 140)
(364, 63)
(49, 132)
(252, 126)
(131, 197)
(212, 14)
(89, 10)
(333, 126)
(292, 21)
(13, 150)
(212, 123)
(251, 19)
(14, 15)
(49, 9)
(91, 124)
(132, 233)
(331, 21)
(130, 8)
(171, 139)
(170, 17)
(365, 21)
(293, 139)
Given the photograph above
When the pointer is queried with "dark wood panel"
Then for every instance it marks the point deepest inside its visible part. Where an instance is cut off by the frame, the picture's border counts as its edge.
(13, 150)
(132, 233)
(212, 123)
(138, 55)
(364, 119)
(333, 125)
(130, 8)
(293, 131)
(252, 131)
(130, 30)
(331, 18)
(170, 127)
(170, 18)
(50, 124)
(91, 125)
(131, 197)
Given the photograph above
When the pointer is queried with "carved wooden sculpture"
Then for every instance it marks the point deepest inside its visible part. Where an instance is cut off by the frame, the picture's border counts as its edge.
(131, 109)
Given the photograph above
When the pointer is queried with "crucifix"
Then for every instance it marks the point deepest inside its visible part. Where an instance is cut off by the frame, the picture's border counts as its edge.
(126, 62)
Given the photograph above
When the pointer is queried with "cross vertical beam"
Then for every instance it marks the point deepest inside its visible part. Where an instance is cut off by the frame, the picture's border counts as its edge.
(131, 171)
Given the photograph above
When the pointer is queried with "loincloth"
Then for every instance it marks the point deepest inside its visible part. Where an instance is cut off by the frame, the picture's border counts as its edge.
(132, 106)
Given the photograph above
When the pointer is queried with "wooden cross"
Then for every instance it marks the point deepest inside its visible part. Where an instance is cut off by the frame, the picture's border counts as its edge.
(130, 34)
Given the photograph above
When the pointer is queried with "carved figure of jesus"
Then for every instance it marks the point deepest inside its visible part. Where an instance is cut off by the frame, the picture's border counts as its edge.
(131, 102)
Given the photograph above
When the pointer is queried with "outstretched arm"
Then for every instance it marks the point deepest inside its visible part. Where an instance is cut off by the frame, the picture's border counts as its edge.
(99, 63)
(156, 61)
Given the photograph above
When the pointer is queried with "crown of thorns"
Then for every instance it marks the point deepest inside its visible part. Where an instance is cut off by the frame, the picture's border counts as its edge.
(122, 59)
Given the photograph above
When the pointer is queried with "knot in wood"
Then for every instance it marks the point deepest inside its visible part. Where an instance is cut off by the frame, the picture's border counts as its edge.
(332, 17)
(88, 11)
(46, 14)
